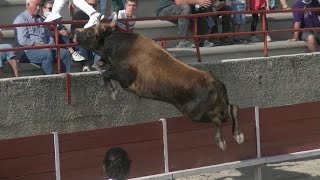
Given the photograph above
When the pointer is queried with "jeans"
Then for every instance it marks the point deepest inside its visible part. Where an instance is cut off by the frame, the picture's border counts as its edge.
(103, 5)
(4, 56)
(183, 24)
(226, 21)
(45, 58)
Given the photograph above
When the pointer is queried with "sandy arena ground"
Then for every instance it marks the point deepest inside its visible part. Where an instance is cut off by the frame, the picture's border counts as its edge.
(305, 169)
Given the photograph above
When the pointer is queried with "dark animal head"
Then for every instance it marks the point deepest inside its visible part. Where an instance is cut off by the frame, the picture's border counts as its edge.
(91, 37)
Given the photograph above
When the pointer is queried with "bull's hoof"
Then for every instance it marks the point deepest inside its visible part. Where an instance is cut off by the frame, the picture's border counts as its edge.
(221, 143)
(239, 137)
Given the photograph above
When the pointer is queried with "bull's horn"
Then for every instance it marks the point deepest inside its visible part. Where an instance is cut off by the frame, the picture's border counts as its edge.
(114, 20)
(98, 20)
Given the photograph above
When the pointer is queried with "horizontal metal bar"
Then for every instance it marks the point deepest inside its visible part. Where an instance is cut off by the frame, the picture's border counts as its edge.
(232, 165)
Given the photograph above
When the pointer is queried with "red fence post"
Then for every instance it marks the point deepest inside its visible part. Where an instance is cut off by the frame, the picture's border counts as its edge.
(263, 22)
(56, 36)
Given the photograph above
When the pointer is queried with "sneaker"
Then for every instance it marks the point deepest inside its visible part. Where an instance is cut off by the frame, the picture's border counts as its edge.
(268, 38)
(254, 39)
(52, 17)
(77, 57)
(86, 69)
(226, 40)
(207, 43)
(185, 44)
(93, 20)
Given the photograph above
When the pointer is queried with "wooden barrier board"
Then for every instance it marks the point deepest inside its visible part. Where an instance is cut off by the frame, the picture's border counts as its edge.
(191, 144)
(28, 158)
(81, 153)
(288, 129)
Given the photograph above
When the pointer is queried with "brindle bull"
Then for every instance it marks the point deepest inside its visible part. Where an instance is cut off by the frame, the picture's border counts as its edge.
(144, 68)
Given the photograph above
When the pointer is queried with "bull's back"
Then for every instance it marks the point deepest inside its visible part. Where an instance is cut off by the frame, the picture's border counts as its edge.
(160, 75)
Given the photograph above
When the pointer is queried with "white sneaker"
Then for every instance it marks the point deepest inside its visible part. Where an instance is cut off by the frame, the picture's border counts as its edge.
(52, 17)
(93, 20)
(268, 38)
(86, 69)
(77, 57)
(254, 39)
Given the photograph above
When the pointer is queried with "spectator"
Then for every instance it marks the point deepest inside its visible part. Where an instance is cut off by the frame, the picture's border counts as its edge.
(239, 20)
(63, 32)
(81, 4)
(127, 13)
(104, 4)
(205, 25)
(116, 164)
(38, 35)
(274, 4)
(89, 55)
(307, 19)
(256, 5)
(180, 7)
(226, 20)
(9, 57)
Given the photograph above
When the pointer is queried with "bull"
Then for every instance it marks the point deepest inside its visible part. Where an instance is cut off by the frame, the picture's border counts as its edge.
(143, 67)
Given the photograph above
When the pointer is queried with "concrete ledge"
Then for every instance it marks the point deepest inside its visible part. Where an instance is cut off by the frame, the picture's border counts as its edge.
(37, 105)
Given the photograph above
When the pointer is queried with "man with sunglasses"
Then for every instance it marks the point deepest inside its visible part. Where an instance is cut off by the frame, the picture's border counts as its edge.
(64, 34)
(89, 55)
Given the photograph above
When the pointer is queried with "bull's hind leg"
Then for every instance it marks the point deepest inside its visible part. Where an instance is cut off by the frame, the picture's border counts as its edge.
(217, 120)
(233, 114)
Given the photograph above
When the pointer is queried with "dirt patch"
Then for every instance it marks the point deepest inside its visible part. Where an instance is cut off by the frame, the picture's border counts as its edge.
(306, 169)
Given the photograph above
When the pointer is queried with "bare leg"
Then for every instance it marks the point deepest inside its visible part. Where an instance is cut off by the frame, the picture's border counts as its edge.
(14, 67)
(233, 114)
(284, 4)
(312, 44)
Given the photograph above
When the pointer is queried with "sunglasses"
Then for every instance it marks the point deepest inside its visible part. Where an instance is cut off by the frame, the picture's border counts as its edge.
(49, 8)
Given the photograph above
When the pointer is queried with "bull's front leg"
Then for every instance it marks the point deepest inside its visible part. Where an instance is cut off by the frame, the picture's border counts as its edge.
(217, 120)
(107, 76)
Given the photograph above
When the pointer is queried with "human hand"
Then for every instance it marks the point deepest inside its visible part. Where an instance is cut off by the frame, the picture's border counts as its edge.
(64, 32)
(204, 3)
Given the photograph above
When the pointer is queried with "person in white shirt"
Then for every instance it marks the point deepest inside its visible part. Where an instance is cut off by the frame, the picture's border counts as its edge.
(81, 4)
(127, 13)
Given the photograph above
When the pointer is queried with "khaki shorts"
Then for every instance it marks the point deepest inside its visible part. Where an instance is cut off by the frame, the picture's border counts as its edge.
(306, 34)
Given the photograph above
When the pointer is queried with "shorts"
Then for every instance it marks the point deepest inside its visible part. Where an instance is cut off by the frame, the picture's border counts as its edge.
(306, 34)
(238, 18)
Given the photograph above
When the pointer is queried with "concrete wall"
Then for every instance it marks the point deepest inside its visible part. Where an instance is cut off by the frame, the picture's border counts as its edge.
(37, 105)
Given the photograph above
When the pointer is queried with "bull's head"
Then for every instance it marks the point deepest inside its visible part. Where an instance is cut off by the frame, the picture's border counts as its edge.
(91, 37)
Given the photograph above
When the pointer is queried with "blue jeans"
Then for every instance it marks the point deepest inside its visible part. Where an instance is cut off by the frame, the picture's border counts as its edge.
(103, 5)
(89, 55)
(4, 56)
(45, 58)
(183, 23)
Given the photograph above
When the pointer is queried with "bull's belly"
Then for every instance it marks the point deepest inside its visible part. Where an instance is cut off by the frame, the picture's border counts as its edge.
(190, 103)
